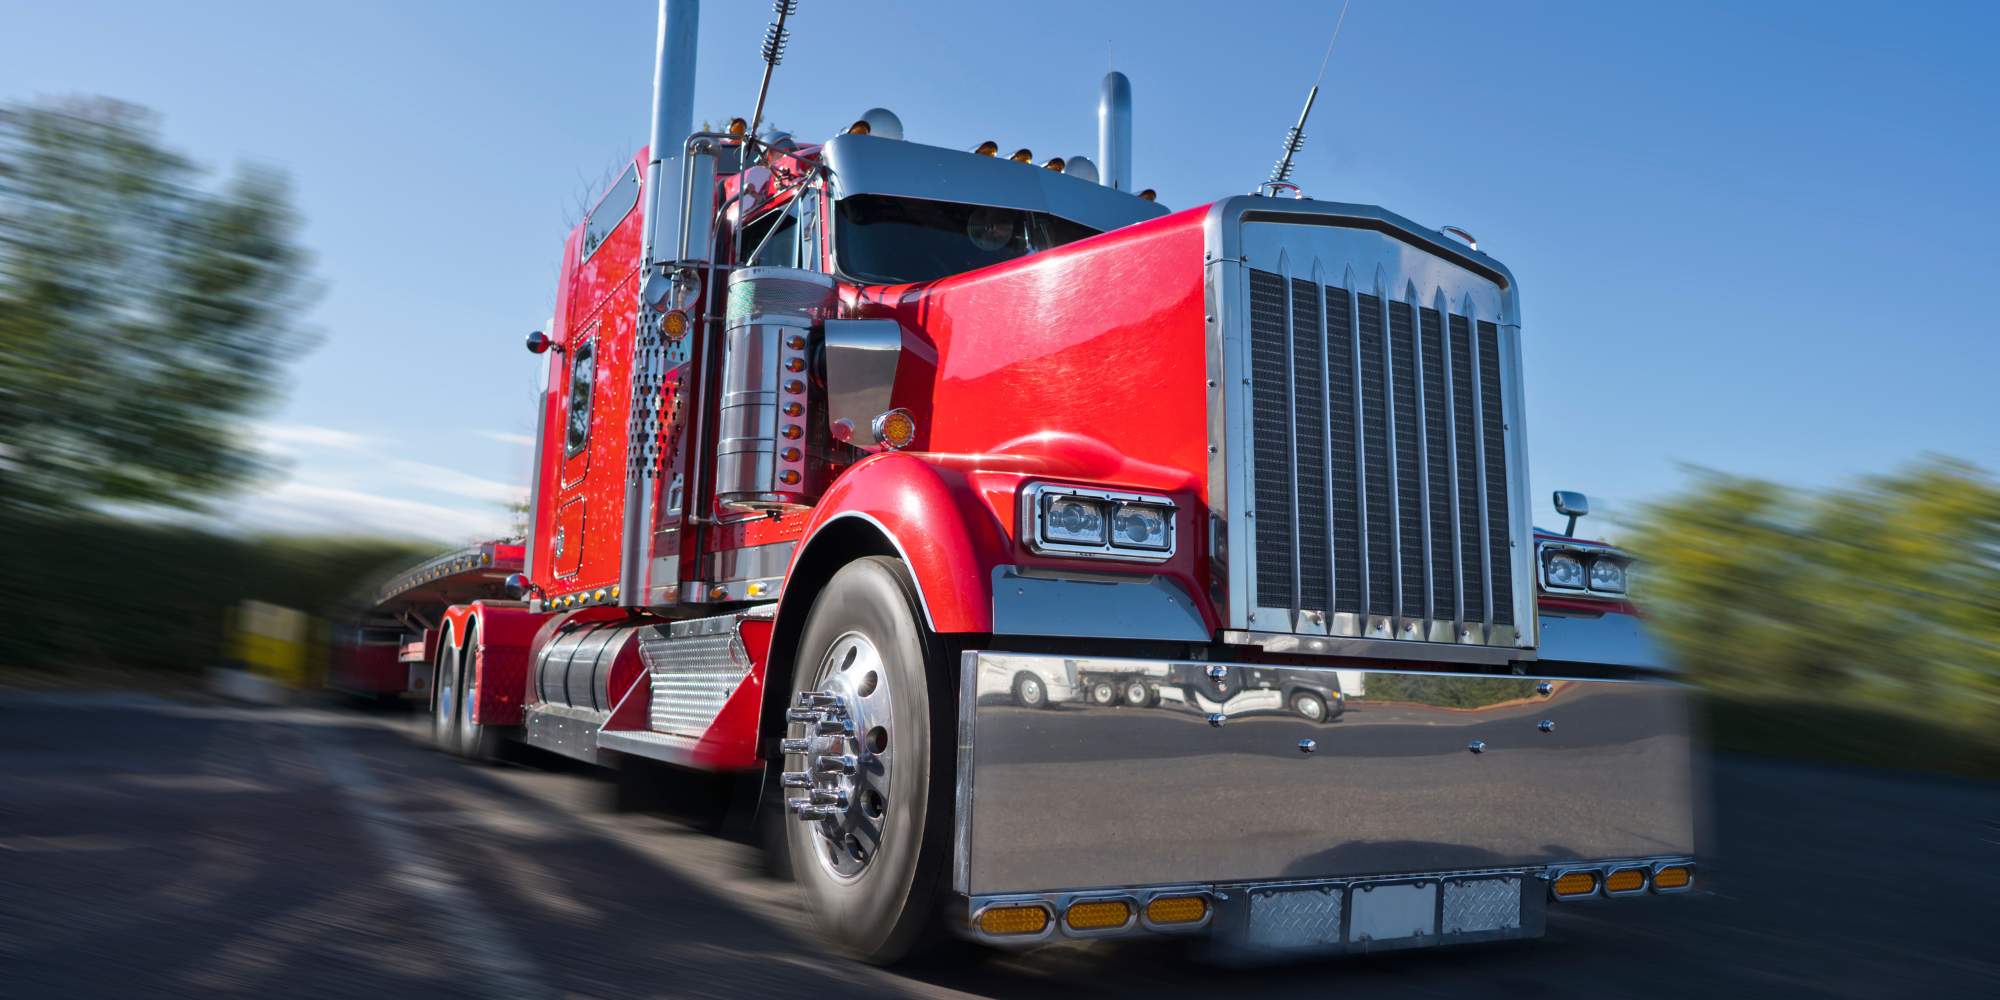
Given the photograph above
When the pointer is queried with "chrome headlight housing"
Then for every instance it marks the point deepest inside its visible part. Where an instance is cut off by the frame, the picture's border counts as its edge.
(1098, 524)
(1583, 568)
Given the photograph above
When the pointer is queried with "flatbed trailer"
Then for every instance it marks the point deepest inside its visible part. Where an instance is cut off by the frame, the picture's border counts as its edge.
(851, 453)
(385, 645)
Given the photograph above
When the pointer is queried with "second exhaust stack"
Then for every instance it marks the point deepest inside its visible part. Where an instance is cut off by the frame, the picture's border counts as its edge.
(1114, 131)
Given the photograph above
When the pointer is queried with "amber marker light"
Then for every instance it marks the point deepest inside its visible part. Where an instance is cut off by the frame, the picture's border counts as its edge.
(738, 126)
(674, 324)
(1009, 921)
(1177, 910)
(1576, 884)
(896, 428)
(988, 148)
(860, 127)
(1055, 163)
(1147, 195)
(1098, 915)
(1672, 878)
(1023, 155)
(1625, 881)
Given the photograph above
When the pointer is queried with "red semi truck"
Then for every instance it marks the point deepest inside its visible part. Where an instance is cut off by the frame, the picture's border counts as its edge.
(840, 441)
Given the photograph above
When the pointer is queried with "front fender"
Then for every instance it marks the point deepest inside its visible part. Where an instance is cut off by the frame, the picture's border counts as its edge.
(937, 523)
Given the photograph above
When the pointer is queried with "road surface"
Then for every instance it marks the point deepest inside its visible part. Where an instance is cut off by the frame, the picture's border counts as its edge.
(166, 846)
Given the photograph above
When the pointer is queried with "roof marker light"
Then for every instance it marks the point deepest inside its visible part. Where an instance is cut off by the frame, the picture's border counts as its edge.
(1023, 155)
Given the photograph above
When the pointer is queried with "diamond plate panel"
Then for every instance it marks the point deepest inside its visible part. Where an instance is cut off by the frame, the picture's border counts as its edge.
(1492, 904)
(692, 677)
(1295, 918)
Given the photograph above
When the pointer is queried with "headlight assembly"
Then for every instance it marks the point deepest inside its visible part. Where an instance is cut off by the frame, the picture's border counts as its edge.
(1563, 570)
(1587, 569)
(1607, 575)
(1102, 524)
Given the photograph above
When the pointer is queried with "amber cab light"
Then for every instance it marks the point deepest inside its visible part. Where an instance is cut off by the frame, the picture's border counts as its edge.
(1625, 880)
(1672, 878)
(1098, 915)
(1177, 910)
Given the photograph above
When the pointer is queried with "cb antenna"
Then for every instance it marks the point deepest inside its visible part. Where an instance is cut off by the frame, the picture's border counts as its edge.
(1281, 173)
(775, 38)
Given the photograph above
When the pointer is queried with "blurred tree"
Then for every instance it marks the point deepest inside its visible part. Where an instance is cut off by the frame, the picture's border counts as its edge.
(1884, 595)
(141, 316)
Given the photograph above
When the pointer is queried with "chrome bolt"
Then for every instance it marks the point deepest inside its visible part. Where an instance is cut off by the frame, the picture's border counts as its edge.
(832, 727)
(796, 779)
(835, 764)
(1546, 725)
(794, 746)
(1476, 746)
(1545, 689)
(1217, 719)
(805, 715)
(1217, 671)
(811, 698)
(829, 797)
(1307, 746)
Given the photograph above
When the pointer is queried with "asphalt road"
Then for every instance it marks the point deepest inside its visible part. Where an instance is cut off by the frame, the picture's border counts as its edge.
(156, 846)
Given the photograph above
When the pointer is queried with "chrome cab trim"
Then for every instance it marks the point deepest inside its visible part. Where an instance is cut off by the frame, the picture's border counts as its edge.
(868, 164)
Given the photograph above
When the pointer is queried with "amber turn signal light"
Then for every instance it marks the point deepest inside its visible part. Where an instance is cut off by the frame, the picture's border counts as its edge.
(896, 428)
(1177, 910)
(988, 148)
(1574, 884)
(1023, 155)
(1672, 878)
(1007, 921)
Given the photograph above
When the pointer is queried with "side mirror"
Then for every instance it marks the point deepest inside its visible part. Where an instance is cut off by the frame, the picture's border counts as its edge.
(539, 343)
(1571, 505)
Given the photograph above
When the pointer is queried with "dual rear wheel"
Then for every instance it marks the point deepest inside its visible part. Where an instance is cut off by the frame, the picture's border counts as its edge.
(454, 693)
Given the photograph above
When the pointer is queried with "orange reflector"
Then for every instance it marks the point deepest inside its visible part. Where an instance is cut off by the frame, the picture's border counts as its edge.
(1673, 877)
(1098, 914)
(1625, 880)
(896, 428)
(1577, 884)
(674, 324)
(1001, 921)
(1177, 909)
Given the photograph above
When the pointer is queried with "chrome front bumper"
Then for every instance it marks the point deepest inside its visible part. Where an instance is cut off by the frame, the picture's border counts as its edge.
(1436, 808)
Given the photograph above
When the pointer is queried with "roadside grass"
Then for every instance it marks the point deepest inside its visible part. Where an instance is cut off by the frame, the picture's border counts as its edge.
(1845, 733)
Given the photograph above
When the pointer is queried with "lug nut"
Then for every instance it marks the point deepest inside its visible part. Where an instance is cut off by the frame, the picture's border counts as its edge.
(794, 746)
(796, 779)
(809, 698)
(835, 764)
(829, 797)
(832, 727)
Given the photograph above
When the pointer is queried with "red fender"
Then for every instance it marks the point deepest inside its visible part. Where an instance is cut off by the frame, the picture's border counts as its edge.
(945, 533)
(500, 660)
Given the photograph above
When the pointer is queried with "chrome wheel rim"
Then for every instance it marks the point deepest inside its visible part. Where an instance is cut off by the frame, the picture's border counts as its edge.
(851, 768)
(1031, 690)
(1309, 707)
(446, 693)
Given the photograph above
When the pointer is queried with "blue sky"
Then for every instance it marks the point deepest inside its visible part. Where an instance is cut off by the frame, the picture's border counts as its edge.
(1753, 237)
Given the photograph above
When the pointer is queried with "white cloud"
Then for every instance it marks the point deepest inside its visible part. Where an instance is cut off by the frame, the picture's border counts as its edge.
(518, 440)
(316, 507)
(438, 479)
(288, 439)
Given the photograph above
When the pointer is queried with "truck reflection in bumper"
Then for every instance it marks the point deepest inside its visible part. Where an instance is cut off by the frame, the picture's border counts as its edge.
(1442, 808)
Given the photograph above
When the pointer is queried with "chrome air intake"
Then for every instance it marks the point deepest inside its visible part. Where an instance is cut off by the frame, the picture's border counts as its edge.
(764, 456)
(1375, 476)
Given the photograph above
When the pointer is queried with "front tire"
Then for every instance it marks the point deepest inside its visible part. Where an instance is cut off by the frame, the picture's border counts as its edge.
(871, 859)
(1309, 706)
(1030, 691)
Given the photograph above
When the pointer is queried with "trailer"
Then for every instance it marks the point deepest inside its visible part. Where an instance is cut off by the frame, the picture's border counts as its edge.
(384, 644)
(842, 440)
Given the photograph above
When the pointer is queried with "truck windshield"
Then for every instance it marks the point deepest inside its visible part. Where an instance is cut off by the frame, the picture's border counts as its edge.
(884, 240)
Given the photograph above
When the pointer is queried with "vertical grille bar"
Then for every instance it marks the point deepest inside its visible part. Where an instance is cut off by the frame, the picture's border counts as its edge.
(1270, 425)
(1471, 546)
(1291, 432)
(1309, 443)
(1406, 414)
(1499, 538)
(1477, 356)
(1439, 502)
(1343, 414)
(1377, 513)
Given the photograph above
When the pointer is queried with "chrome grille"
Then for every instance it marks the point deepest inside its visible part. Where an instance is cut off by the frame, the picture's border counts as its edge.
(1380, 470)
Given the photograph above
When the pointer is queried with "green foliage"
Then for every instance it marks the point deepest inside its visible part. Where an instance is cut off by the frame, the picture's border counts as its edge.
(1883, 596)
(1448, 691)
(141, 317)
(108, 592)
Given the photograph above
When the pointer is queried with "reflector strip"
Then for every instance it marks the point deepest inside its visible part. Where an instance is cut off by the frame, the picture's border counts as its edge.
(1177, 909)
(1575, 884)
(1097, 915)
(1004, 921)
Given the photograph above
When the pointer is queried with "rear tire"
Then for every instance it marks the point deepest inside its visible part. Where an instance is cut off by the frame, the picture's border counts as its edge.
(474, 741)
(1309, 706)
(873, 872)
(1103, 693)
(444, 695)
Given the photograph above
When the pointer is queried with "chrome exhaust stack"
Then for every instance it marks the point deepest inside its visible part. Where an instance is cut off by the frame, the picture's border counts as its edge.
(1114, 131)
(659, 237)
